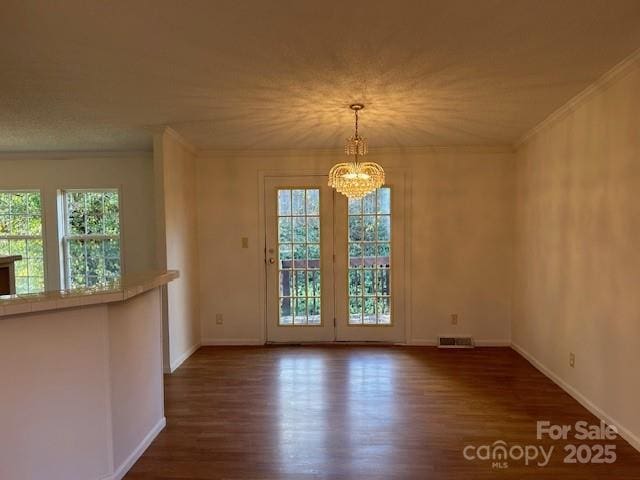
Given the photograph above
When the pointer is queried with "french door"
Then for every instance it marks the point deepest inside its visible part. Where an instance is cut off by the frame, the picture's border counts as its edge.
(334, 266)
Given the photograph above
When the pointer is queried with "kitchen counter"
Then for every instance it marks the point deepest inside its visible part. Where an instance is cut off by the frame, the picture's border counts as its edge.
(82, 379)
(127, 287)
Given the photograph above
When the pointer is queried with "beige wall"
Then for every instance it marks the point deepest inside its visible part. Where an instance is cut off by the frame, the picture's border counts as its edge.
(177, 243)
(461, 241)
(578, 255)
(137, 392)
(131, 173)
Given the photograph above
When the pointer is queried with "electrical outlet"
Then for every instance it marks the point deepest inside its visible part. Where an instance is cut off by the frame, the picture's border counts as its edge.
(219, 319)
(454, 319)
(245, 242)
(572, 359)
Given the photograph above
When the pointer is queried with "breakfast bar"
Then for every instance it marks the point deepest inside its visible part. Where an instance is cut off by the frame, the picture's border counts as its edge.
(82, 396)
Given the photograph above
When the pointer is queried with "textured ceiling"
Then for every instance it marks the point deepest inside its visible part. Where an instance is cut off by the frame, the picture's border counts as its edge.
(87, 75)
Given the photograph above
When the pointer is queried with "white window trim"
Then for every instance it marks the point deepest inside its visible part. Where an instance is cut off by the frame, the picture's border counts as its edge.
(64, 238)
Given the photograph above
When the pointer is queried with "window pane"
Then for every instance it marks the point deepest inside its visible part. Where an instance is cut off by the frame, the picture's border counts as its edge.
(355, 254)
(299, 229)
(22, 284)
(94, 213)
(286, 282)
(313, 283)
(112, 248)
(34, 205)
(284, 202)
(300, 282)
(286, 255)
(355, 310)
(369, 289)
(369, 281)
(355, 206)
(111, 214)
(355, 228)
(34, 225)
(5, 224)
(19, 225)
(5, 202)
(21, 269)
(384, 228)
(112, 269)
(383, 279)
(383, 310)
(19, 203)
(284, 230)
(297, 202)
(76, 214)
(355, 282)
(286, 311)
(313, 311)
(370, 311)
(369, 203)
(313, 229)
(313, 202)
(384, 201)
(299, 255)
(369, 253)
(313, 256)
(300, 317)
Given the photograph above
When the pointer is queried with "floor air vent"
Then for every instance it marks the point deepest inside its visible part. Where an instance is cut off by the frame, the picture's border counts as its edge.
(455, 342)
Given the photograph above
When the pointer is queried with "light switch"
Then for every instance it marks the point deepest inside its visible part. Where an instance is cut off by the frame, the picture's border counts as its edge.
(245, 242)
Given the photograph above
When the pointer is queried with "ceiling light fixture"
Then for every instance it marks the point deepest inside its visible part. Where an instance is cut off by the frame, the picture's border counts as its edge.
(356, 179)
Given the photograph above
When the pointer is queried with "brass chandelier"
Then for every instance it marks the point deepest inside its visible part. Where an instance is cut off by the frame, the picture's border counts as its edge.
(356, 179)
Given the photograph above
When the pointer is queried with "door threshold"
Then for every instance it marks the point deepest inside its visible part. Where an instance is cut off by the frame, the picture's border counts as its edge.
(335, 343)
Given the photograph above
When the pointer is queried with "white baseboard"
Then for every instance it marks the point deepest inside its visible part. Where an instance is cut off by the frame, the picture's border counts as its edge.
(421, 343)
(231, 341)
(479, 343)
(180, 360)
(122, 470)
(625, 433)
(493, 343)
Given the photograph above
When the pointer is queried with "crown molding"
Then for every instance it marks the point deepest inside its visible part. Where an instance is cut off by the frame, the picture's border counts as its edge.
(166, 130)
(73, 154)
(620, 70)
(373, 151)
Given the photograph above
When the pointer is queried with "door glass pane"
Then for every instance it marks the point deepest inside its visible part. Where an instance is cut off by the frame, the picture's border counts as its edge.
(370, 259)
(299, 256)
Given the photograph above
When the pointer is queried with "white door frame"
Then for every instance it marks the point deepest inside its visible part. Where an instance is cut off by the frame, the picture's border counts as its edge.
(396, 331)
(404, 296)
(310, 333)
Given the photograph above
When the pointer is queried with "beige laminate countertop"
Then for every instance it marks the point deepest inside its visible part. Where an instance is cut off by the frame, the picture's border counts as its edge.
(128, 286)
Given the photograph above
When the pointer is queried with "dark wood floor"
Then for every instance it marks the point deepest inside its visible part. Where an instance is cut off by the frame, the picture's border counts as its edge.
(351, 412)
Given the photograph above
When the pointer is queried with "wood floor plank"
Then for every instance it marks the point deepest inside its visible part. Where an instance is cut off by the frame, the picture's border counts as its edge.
(361, 412)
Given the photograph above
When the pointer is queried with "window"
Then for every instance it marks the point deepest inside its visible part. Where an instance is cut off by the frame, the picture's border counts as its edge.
(299, 256)
(370, 259)
(21, 234)
(91, 240)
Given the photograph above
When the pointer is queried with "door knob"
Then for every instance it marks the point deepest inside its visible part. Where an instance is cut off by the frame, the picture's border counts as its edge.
(272, 260)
